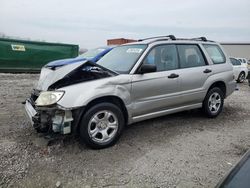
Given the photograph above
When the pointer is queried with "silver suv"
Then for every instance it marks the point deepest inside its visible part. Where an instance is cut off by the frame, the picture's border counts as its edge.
(133, 82)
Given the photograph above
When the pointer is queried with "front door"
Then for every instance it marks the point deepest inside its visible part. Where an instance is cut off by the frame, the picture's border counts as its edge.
(157, 91)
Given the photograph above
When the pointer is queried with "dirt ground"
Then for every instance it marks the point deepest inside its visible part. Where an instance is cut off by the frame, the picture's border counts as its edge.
(180, 150)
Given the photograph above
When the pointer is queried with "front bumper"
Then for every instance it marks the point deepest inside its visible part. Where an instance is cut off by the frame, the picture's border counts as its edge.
(49, 119)
(30, 111)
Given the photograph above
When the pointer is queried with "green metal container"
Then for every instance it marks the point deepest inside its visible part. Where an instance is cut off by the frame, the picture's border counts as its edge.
(30, 56)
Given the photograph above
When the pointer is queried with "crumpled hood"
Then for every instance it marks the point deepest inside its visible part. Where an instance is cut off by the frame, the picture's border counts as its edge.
(49, 76)
(62, 62)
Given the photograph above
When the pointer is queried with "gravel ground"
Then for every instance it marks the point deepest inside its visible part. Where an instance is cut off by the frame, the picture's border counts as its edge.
(180, 150)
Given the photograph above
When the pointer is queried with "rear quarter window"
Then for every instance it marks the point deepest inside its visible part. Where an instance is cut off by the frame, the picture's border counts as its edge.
(215, 53)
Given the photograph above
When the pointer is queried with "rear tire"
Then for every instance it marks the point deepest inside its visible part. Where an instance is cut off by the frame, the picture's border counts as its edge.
(213, 102)
(101, 126)
(241, 77)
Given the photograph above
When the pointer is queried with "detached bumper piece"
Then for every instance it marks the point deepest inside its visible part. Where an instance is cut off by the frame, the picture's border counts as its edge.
(30, 111)
(49, 120)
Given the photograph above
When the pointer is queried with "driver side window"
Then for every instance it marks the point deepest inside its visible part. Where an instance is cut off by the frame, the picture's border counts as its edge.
(164, 57)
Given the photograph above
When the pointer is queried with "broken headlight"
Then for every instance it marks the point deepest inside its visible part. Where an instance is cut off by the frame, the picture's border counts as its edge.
(49, 97)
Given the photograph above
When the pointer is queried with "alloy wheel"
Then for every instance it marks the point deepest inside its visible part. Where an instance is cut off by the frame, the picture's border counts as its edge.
(103, 126)
(214, 102)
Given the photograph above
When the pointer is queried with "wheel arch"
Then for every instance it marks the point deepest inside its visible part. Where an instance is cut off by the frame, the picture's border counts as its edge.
(111, 99)
(221, 85)
(243, 71)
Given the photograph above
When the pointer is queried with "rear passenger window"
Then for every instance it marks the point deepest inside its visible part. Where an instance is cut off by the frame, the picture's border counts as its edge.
(164, 57)
(190, 56)
(235, 61)
(215, 53)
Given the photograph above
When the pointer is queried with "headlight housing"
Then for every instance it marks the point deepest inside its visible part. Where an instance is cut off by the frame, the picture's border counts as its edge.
(49, 97)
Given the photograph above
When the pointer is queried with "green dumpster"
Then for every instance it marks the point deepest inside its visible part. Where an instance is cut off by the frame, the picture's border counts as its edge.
(30, 56)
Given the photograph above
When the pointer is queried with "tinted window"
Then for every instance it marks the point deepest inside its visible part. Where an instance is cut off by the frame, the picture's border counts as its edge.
(164, 57)
(235, 61)
(238, 62)
(122, 58)
(215, 53)
(190, 56)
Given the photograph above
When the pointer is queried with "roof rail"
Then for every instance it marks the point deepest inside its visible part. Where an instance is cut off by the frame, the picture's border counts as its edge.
(196, 39)
(172, 37)
(200, 38)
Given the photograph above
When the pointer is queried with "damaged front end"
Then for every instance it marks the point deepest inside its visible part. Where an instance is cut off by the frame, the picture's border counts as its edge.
(49, 119)
(42, 109)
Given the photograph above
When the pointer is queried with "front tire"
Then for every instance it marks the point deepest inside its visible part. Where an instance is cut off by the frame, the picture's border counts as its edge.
(101, 125)
(213, 102)
(241, 77)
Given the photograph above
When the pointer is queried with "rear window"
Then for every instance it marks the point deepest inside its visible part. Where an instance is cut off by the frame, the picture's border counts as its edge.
(215, 53)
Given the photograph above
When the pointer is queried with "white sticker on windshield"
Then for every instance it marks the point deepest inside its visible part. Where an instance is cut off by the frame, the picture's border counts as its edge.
(134, 50)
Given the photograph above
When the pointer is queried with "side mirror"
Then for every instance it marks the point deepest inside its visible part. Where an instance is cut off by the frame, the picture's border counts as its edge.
(147, 68)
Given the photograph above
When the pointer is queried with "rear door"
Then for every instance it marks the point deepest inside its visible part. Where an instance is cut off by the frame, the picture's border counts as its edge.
(194, 73)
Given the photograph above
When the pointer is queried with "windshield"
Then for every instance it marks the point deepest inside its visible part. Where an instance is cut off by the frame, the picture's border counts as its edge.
(122, 58)
(92, 53)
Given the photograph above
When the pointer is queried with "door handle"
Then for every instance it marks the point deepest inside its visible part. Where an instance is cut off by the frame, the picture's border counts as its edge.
(173, 75)
(207, 71)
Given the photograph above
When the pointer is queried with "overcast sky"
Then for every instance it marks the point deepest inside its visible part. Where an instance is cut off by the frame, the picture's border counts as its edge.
(90, 23)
